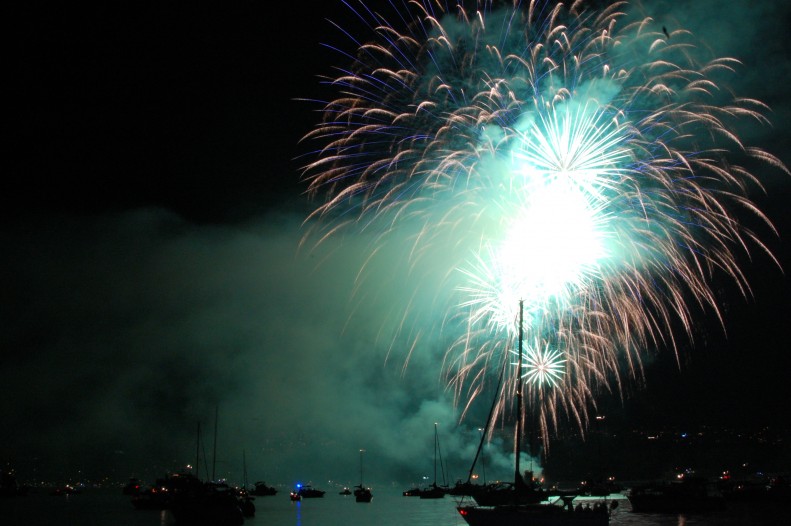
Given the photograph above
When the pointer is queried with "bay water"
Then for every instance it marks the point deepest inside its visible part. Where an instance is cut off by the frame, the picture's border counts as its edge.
(109, 507)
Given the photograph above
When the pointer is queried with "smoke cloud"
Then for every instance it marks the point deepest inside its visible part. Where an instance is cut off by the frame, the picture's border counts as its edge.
(129, 329)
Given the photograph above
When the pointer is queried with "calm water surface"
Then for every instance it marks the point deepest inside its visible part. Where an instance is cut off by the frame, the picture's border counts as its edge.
(104, 507)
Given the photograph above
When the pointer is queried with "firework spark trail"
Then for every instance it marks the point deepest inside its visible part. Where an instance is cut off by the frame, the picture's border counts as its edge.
(578, 160)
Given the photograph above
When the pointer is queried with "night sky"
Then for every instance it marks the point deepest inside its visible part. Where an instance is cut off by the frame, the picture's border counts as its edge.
(152, 211)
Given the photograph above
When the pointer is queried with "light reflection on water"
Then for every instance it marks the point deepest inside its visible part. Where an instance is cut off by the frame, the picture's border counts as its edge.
(388, 508)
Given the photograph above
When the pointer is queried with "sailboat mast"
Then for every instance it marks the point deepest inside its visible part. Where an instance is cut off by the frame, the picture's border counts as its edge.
(435, 453)
(214, 455)
(479, 452)
(518, 430)
(244, 468)
(483, 461)
(197, 453)
(361, 468)
(441, 462)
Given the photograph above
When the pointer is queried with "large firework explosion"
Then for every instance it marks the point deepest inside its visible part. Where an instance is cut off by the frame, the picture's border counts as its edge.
(581, 162)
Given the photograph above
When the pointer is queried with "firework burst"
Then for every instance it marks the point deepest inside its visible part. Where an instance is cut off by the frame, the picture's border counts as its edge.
(581, 161)
(542, 366)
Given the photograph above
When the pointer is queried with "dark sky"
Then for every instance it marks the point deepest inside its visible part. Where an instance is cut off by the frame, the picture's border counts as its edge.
(151, 215)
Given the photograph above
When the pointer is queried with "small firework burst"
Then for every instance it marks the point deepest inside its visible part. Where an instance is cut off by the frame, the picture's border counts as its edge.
(542, 367)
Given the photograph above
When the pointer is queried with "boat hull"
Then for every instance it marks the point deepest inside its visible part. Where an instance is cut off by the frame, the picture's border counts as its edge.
(364, 497)
(532, 515)
(432, 493)
(504, 496)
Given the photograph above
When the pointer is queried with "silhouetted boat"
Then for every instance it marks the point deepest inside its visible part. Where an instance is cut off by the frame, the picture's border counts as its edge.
(309, 492)
(262, 490)
(361, 493)
(684, 495)
(193, 502)
(411, 492)
(345, 491)
(518, 512)
(197, 503)
(507, 493)
(465, 489)
(434, 491)
(542, 514)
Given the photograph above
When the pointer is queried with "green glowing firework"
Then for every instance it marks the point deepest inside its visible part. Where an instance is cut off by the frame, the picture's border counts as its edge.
(577, 160)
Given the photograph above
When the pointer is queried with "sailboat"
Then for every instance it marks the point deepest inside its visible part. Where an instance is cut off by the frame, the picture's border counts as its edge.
(210, 503)
(523, 508)
(361, 493)
(434, 491)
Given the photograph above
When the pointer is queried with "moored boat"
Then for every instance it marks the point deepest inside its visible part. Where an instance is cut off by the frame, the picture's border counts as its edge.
(309, 492)
(536, 515)
(194, 502)
(262, 490)
(361, 493)
(520, 513)
(519, 492)
(468, 489)
(434, 491)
